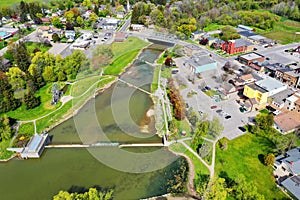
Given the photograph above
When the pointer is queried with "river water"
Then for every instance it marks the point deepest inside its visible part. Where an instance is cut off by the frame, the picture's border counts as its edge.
(120, 113)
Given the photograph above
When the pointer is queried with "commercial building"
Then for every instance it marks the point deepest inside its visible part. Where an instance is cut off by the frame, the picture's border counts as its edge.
(249, 58)
(201, 62)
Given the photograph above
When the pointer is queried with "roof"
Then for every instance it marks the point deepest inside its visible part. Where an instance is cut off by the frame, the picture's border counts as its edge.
(44, 28)
(281, 96)
(120, 35)
(245, 27)
(255, 87)
(292, 74)
(251, 56)
(201, 60)
(246, 33)
(270, 84)
(293, 185)
(292, 98)
(288, 121)
(241, 42)
(246, 77)
(257, 37)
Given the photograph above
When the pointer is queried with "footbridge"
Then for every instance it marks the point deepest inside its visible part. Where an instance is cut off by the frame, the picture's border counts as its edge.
(104, 144)
(134, 86)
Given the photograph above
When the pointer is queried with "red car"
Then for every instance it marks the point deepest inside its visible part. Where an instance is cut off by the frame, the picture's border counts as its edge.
(213, 107)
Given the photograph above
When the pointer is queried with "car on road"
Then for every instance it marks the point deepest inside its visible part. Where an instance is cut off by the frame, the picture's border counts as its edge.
(227, 117)
(187, 105)
(213, 107)
(242, 129)
(200, 112)
(207, 88)
(219, 111)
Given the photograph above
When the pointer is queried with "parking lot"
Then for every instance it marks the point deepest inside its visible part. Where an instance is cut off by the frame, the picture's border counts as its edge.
(203, 103)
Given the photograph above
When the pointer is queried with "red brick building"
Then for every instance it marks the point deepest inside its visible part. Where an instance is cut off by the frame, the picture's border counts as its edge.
(236, 46)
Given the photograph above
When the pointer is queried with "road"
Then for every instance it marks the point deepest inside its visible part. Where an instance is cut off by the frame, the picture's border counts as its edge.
(125, 25)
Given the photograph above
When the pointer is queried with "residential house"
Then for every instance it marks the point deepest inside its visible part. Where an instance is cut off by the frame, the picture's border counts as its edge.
(249, 58)
(258, 39)
(292, 101)
(120, 36)
(190, 49)
(206, 39)
(46, 20)
(287, 171)
(48, 31)
(201, 62)
(120, 14)
(218, 43)
(261, 90)
(288, 75)
(237, 46)
(287, 122)
(244, 80)
(70, 35)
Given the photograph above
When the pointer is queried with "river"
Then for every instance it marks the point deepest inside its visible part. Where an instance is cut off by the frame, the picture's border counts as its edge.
(120, 112)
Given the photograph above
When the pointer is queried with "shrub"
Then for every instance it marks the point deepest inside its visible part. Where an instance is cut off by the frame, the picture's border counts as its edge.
(269, 159)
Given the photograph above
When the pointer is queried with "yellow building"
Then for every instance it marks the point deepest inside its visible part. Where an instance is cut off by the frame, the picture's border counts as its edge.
(259, 94)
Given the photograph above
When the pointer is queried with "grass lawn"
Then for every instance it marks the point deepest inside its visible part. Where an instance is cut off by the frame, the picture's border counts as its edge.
(81, 86)
(4, 3)
(154, 85)
(27, 129)
(119, 63)
(132, 43)
(33, 45)
(284, 31)
(166, 72)
(213, 27)
(242, 157)
(198, 165)
(45, 93)
(4, 154)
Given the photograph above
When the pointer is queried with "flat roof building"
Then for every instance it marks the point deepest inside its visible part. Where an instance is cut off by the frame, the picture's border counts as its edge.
(201, 62)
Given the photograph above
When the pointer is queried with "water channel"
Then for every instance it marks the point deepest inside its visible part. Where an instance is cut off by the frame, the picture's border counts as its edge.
(121, 118)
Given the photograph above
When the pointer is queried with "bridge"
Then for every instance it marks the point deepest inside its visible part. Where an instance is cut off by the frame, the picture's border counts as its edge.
(134, 86)
(104, 144)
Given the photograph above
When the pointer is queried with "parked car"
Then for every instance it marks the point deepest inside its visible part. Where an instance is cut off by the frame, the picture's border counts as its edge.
(187, 105)
(227, 117)
(207, 88)
(200, 112)
(242, 129)
(219, 111)
(213, 107)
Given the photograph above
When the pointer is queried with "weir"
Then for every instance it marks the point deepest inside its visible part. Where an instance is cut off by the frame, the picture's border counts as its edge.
(134, 86)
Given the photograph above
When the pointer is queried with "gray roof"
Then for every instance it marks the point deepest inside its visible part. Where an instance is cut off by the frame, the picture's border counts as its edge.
(251, 56)
(292, 73)
(241, 42)
(255, 87)
(293, 185)
(246, 33)
(200, 60)
(281, 96)
(270, 84)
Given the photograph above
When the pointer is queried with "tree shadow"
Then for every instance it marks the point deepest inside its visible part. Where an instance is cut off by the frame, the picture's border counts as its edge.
(81, 189)
(229, 181)
(261, 158)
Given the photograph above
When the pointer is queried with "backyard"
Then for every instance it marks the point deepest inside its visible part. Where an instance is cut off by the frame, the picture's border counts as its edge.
(243, 157)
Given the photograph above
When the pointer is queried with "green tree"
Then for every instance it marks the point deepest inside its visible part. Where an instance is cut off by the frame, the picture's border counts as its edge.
(49, 74)
(23, 12)
(217, 189)
(69, 15)
(79, 21)
(229, 33)
(269, 159)
(91, 194)
(102, 56)
(7, 100)
(21, 55)
(55, 37)
(56, 22)
(93, 18)
(15, 78)
(31, 101)
(87, 4)
(215, 127)
(5, 130)
(245, 190)
(264, 121)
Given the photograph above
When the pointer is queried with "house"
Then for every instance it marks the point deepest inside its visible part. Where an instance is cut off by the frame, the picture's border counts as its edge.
(258, 39)
(292, 101)
(288, 75)
(278, 100)
(237, 46)
(262, 89)
(249, 58)
(70, 34)
(120, 36)
(287, 171)
(34, 147)
(110, 24)
(228, 89)
(287, 122)
(200, 62)
(190, 49)
(137, 27)
(120, 14)
(197, 35)
(217, 44)
(48, 31)
(5, 64)
(244, 79)
(46, 20)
